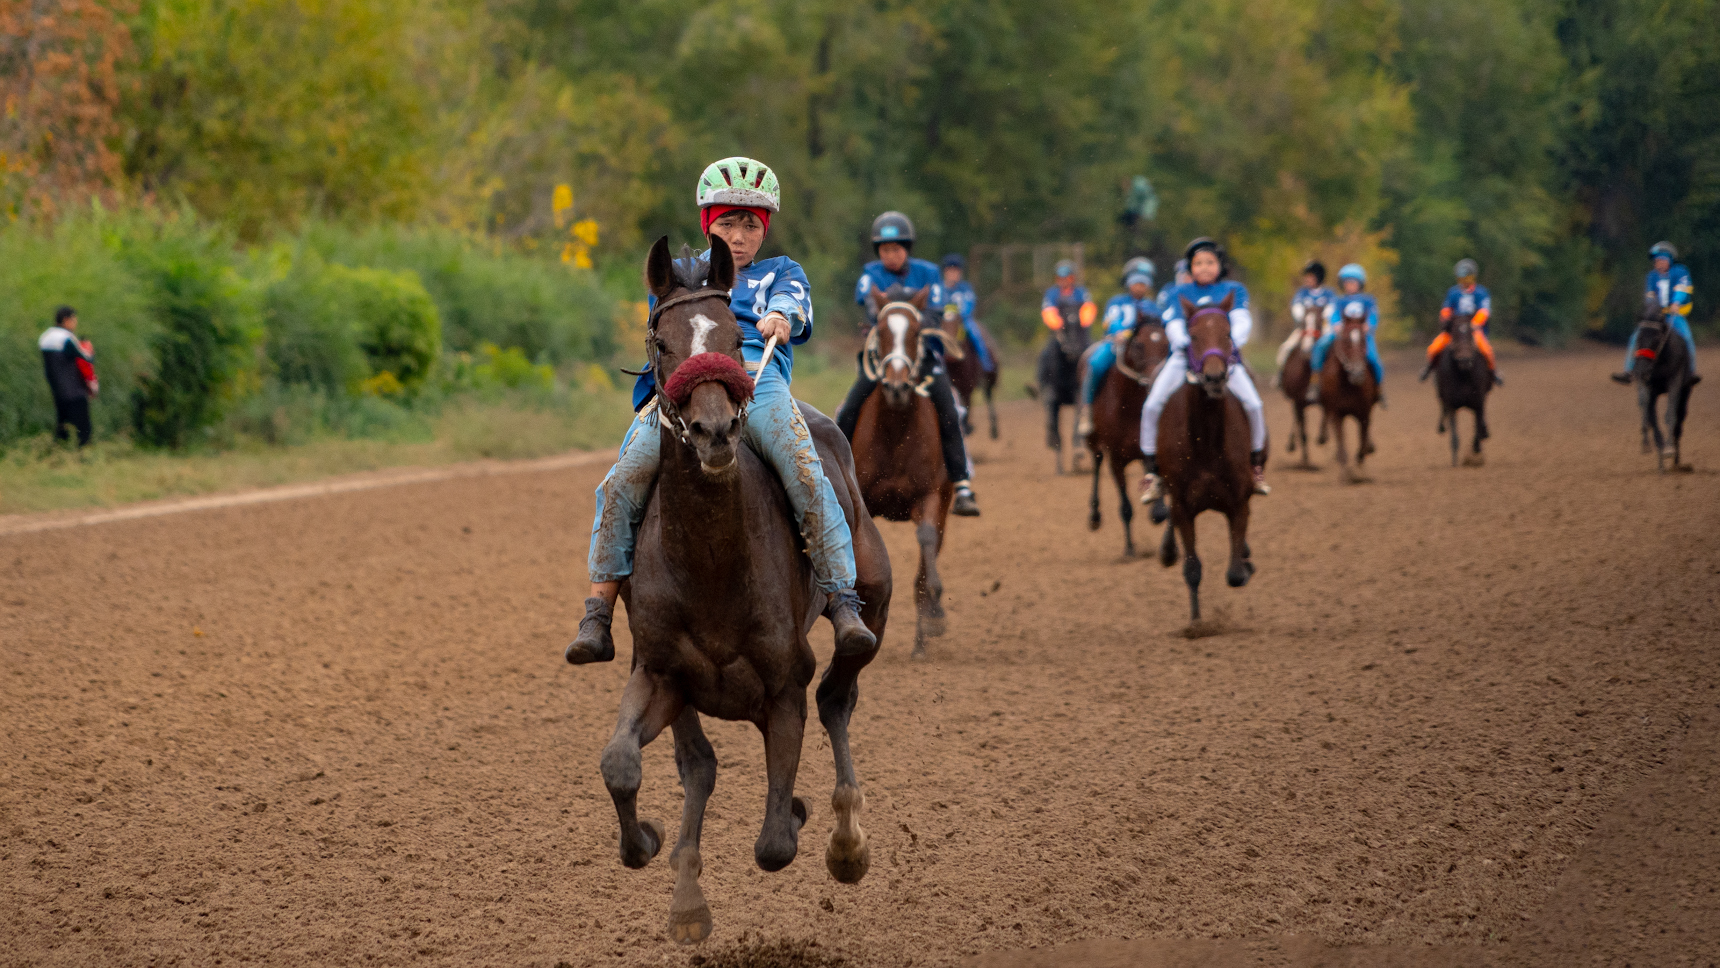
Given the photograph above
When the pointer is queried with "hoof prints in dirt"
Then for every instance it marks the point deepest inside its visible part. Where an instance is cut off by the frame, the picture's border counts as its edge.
(755, 953)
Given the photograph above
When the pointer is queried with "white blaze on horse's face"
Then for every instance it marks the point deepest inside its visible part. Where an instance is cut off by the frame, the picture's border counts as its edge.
(897, 322)
(702, 326)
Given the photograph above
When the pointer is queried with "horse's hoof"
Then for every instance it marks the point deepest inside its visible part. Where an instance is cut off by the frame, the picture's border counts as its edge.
(1474, 460)
(1158, 512)
(847, 856)
(848, 864)
(1238, 576)
(654, 837)
(1093, 521)
(690, 927)
(689, 915)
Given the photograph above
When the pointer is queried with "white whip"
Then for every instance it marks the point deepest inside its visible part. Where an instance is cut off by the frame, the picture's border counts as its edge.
(769, 348)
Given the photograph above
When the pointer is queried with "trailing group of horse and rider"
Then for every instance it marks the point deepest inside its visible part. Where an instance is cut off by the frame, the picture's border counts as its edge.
(735, 516)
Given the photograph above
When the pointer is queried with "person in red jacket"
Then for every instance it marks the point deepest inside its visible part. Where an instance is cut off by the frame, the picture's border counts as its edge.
(70, 367)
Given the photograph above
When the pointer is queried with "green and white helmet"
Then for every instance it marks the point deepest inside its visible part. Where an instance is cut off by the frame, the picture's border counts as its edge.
(740, 181)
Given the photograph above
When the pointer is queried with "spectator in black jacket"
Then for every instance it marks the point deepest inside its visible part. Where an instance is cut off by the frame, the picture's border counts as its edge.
(70, 366)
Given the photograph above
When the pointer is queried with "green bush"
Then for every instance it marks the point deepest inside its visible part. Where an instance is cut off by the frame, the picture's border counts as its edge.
(334, 327)
(398, 326)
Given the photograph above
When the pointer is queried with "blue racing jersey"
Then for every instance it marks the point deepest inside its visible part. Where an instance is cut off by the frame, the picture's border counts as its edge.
(1176, 327)
(778, 285)
(916, 274)
(962, 296)
(1360, 305)
(1124, 312)
(1673, 288)
(1309, 306)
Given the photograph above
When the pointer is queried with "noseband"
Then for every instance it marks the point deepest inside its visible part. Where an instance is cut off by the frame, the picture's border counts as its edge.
(666, 409)
(1196, 363)
(875, 366)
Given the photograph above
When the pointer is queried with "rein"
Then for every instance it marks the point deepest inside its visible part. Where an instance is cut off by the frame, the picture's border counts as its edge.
(1660, 345)
(1122, 363)
(874, 366)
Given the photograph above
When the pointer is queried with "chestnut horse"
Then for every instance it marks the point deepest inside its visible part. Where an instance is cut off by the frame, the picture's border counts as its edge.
(966, 375)
(1347, 389)
(1293, 379)
(722, 597)
(1463, 380)
(898, 459)
(1203, 450)
(1117, 419)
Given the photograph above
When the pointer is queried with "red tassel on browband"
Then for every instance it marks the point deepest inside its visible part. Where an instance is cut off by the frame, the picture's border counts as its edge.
(706, 368)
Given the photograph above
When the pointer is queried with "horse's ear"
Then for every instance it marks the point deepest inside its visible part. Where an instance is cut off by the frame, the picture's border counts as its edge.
(1228, 301)
(1187, 308)
(880, 299)
(659, 269)
(722, 275)
(919, 299)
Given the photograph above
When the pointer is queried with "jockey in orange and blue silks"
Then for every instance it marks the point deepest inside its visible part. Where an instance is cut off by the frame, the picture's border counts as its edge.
(1067, 302)
(1125, 311)
(1670, 285)
(958, 293)
(1208, 268)
(736, 198)
(1352, 303)
(1465, 299)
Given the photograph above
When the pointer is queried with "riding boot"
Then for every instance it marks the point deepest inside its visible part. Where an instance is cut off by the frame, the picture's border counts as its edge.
(1152, 486)
(1380, 397)
(1083, 424)
(1623, 378)
(1425, 372)
(1313, 394)
(1257, 463)
(852, 635)
(848, 415)
(594, 643)
(1498, 380)
(943, 398)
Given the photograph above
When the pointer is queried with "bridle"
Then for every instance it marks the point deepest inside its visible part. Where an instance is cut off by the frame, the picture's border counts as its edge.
(1196, 363)
(874, 366)
(1122, 354)
(666, 409)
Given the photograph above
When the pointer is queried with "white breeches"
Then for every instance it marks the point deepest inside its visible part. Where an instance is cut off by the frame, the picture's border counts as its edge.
(1298, 337)
(1173, 375)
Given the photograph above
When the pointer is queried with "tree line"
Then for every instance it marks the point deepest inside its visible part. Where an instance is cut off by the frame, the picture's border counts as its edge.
(1551, 140)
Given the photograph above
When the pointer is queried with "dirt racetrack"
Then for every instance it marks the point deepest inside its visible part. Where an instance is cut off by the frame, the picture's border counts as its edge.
(1460, 717)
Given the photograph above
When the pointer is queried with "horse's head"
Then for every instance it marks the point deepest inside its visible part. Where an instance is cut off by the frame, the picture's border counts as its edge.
(1146, 347)
(1350, 346)
(1462, 330)
(1650, 335)
(1210, 349)
(694, 344)
(896, 347)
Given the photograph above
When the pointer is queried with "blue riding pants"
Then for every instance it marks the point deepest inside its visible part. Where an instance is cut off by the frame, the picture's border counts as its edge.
(777, 433)
(1098, 364)
(977, 342)
(1681, 325)
(1324, 346)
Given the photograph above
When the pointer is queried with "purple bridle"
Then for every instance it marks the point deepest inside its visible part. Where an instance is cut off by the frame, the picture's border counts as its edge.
(1194, 363)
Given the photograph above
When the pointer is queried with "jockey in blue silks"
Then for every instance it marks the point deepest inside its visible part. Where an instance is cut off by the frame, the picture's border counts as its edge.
(958, 293)
(1208, 285)
(1308, 309)
(771, 297)
(1670, 285)
(1123, 313)
(1352, 304)
(893, 244)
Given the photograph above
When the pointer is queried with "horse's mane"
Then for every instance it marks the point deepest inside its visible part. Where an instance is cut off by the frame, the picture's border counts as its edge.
(691, 272)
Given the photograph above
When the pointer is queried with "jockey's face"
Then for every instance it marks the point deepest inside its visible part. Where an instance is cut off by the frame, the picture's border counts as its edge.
(1204, 267)
(894, 255)
(1351, 287)
(1140, 290)
(952, 275)
(743, 232)
(1662, 264)
(1310, 281)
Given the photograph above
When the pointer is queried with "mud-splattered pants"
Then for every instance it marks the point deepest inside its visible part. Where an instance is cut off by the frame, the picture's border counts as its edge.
(776, 432)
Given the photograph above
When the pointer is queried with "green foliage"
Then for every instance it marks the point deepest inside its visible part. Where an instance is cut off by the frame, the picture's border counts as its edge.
(333, 327)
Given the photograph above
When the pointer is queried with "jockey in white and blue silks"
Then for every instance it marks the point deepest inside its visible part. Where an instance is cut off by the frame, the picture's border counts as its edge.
(1207, 268)
(1308, 309)
(1352, 304)
(736, 197)
(959, 293)
(1670, 284)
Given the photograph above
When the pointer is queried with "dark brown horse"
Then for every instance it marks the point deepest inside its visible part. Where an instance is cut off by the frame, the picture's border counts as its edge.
(1347, 389)
(1661, 368)
(722, 597)
(898, 459)
(1463, 380)
(1203, 451)
(1059, 379)
(1293, 379)
(966, 375)
(1116, 418)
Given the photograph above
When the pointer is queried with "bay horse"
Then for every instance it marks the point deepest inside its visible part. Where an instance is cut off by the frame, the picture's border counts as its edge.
(898, 459)
(1347, 389)
(1204, 451)
(721, 598)
(1463, 380)
(1293, 379)
(1661, 367)
(1116, 430)
(966, 375)
(1059, 378)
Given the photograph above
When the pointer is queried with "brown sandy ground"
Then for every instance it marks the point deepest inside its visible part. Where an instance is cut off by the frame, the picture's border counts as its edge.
(1467, 709)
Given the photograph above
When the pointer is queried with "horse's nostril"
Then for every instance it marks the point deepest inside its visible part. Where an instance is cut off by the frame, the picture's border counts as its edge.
(734, 425)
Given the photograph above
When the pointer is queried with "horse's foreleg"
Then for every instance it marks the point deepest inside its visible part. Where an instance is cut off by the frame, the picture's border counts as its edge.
(1125, 507)
(1342, 452)
(1447, 415)
(1241, 567)
(1325, 420)
(784, 813)
(647, 706)
(1191, 563)
(847, 856)
(991, 408)
(689, 915)
(928, 584)
(1093, 502)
